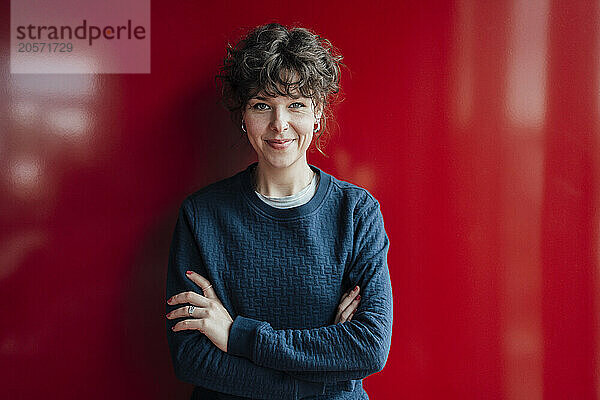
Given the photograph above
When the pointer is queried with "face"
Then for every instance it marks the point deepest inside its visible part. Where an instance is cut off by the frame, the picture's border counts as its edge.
(280, 129)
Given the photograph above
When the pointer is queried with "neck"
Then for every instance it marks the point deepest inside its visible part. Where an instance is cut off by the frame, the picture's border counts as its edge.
(279, 182)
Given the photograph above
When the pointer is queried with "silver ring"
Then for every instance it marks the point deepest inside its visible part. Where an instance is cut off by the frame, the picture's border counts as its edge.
(191, 310)
(206, 288)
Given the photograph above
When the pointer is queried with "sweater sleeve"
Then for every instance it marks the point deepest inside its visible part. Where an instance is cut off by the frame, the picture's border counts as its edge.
(197, 360)
(350, 350)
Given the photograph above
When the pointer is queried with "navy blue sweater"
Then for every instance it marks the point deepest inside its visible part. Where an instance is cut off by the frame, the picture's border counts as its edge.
(281, 273)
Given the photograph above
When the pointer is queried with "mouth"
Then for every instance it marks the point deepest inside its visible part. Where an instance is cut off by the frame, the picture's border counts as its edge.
(279, 144)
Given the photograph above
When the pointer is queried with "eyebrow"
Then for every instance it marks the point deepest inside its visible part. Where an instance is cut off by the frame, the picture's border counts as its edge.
(265, 99)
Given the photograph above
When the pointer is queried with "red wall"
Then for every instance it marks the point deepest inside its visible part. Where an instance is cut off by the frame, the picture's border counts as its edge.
(475, 123)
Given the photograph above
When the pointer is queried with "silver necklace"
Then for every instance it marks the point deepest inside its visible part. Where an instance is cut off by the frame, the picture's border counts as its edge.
(254, 176)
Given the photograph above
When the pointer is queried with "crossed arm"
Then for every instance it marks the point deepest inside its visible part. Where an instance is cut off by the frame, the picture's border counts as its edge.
(291, 363)
(338, 352)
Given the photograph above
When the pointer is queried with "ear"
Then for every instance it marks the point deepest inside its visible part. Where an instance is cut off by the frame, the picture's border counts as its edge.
(318, 111)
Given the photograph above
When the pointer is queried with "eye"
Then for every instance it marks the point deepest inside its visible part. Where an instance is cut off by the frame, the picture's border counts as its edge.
(297, 105)
(260, 106)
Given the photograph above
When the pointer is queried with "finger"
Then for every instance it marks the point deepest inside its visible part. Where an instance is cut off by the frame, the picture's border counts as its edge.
(189, 297)
(351, 308)
(354, 289)
(183, 312)
(202, 283)
(189, 324)
(348, 299)
(352, 315)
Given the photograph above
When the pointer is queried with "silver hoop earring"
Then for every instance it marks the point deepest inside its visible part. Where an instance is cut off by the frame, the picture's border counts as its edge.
(244, 127)
(318, 126)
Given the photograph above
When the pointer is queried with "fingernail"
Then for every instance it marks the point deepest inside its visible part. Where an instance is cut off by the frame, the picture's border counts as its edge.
(355, 288)
(168, 315)
(358, 297)
(188, 272)
(170, 300)
(353, 311)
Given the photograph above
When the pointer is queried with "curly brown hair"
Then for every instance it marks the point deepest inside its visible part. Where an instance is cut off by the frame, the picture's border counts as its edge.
(275, 60)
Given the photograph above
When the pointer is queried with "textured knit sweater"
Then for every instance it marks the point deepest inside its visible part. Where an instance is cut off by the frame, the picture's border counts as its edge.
(281, 274)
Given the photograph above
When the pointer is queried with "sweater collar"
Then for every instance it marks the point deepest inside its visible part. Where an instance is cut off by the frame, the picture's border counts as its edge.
(284, 213)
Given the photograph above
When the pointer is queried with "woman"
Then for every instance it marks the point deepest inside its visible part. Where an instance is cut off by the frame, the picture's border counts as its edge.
(266, 266)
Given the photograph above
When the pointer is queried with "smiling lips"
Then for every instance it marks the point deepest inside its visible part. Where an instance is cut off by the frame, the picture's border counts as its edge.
(279, 144)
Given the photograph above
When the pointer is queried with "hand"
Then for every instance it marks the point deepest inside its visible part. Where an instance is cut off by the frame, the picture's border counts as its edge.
(209, 316)
(348, 305)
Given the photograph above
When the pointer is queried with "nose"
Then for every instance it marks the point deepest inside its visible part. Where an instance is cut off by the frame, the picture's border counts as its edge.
(279, 122)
